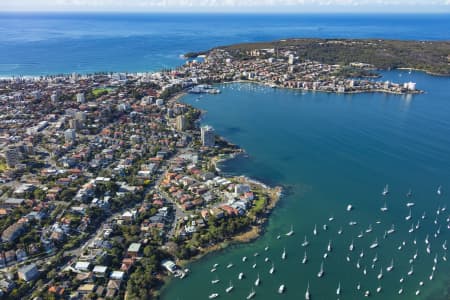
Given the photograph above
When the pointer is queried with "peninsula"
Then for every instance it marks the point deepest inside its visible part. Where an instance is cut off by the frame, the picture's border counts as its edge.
(110, 184)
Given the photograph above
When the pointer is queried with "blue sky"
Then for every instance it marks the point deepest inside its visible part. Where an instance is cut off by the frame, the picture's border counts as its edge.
(392, 6)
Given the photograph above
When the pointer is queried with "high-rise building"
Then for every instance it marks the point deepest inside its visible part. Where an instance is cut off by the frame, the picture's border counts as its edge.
(291, 59)
(80, 98)
(208, 136)
(12, 156)
(70, 135)
(181, 123)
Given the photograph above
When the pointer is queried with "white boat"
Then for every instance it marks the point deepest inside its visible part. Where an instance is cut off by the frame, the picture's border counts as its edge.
(391, 230)
(320, 274)
(254, 266)
(360, 235)
(252, 294)
(278, 237)
(367, 293)
(417, 292)
(348, 258)
(400, 291)
(272, 269)
(385, 190)
(415, 254)
(329, 248)
(408, 217)
(352, 223)
(229, 265)
(378, 289)
(266, 259)
(428, 249)
(305, 259)
(244, 258)
(213, 295)
(444, 257)
(229, 288)
(266, 248)
(431, 275)
(427, 240)
(305, 242)
(358, 286)
(391, 266)
(215, 265)
(418, 224)
(384, 207)
(283, 255)
(257, 281)
(214, 281)
(241, 276)
(291, 232)
(421, 283)
(281, 289)
(435, 260)
(365, 271)
(325, 227)
(307, 294)
(369, 229)
(352, 246)
(338, 290)
(411, 271)
(411, 229)
(325, 255)
(374, 244)
(402, 279)
(380, 275)
(424, 215)
(349, 207)
(340, 231)
(439, 190)
(330, 219)
(361, 254)
(315, 230)
(375, 258)
(358, 266)
(444, 245)
(213, 270)
(410, 204)
(256, 254)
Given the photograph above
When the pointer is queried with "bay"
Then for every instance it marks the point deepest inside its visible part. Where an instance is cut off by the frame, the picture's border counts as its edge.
(330, 150)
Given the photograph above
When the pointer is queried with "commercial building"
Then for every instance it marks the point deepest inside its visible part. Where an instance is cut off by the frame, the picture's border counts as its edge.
(181, 123)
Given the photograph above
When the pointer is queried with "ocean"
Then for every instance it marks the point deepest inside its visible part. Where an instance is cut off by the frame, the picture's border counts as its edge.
(41, 44)
(326, 150)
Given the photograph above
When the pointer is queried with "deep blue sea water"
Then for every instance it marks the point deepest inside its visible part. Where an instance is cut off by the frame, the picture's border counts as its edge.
(328, 150)
(36, 44)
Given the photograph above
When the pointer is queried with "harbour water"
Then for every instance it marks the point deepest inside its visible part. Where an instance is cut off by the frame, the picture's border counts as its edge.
(329, 151)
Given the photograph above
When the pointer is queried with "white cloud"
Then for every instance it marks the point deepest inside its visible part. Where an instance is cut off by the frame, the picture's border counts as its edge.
(161, 4)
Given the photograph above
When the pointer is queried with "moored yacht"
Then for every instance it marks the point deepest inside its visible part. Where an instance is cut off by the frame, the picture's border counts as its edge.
(213, 295)
(380, 275)
(281, 289)
(216, 280)
(329, 248)
(384, 207)
(241, 276)
(229, 288)
(315, 230)
(385, 190)
(305, 242)
(391, 266)
(338, 290)
(272, 269)
(411, 271)
(408, 217)
(251, 295)
(307, 294)
(257, 281)
(305, 259)
(439, 190)
(374, 244)
(291, 232)
(320, 274)
(352, 246)
(283, 255)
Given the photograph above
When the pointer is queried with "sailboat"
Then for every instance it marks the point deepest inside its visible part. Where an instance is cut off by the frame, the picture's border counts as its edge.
(272, 269)
(252, 294)
(411, 229)
(385, 190)
(338, 290)
(254, 266)
(307, 294)
(439, 190)
(365, 271)
(358, 266)
(329, 248)
(391, 266)
(431, 275)
(351, 247)
(358, 286)
(444, 245)
(291, 232)
(408, 217)
(374, 244)
(340, 231)
(315, 230)
(380, 275)
(418, 224)
(391, 230)
(244, 259)
(426, 240)
(305, 259)
(305, 242)
(229, 288)
(320, 274)
(384, 207)
(379, 289)
(415, 254)
(360, 235)
(214, 281)
(411, 271)
(361, 254)
(266, 248)
(375, 258)
(410, 204)
(369, 229)
(400, 291)
(283, 255)
(257, 281)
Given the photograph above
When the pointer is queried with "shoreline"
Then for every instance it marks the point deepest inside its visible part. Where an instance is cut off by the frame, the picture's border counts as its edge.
(251, 234)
